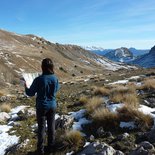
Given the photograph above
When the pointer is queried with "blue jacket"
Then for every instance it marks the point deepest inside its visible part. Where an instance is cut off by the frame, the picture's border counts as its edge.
(46, 87)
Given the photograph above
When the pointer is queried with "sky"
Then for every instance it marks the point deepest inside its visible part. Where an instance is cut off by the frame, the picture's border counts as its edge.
(101, 23)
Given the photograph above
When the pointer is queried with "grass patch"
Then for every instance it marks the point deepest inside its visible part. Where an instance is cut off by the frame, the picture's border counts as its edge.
(83, 100)
(149, 84)
(74, 139)
(103, 117)
(100, 91)
(142, 121)
(93, 104)
(126, 95)
(5, 107)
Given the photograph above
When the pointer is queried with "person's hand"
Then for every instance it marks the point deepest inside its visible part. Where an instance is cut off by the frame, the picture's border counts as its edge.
(23, 82)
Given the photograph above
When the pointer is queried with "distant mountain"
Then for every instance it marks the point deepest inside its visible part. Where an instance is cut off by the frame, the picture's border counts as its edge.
(97, 50)
(138, 52)
(120, 55)
(147, 60)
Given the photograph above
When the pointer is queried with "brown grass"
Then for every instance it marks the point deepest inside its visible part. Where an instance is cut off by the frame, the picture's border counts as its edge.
(143, 122)
(1, 94)
(103, 117)
(83, 100)
(93, 104)
(74, 139)
(5, 107)
(126, 95)
(101, 91)
(149, 84)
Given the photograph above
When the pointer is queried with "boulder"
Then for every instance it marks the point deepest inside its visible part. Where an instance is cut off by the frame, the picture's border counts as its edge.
(97, 148)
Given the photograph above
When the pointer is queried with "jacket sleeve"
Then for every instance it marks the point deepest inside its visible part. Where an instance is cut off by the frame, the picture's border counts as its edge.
(57, 85)
(32, 90)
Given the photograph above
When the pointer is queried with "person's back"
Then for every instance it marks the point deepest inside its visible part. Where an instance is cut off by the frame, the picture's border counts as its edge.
(46, 87)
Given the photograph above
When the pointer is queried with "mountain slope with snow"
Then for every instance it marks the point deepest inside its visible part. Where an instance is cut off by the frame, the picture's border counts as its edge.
(120, 55)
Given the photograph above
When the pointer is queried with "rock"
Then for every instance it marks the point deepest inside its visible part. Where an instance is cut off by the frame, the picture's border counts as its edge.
(64, 121)
(31, 112)
(101, 133)
(140, 151)
(91, 138)
(146, 145)
(119, 153)
(123, 136)
(4, 116)
(97, 148)
(151, 136)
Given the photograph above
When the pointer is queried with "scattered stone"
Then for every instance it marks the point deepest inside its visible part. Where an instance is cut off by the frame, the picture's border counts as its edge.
(4, 116)
(91, 138)
(123, 136)
(31, 112)
(64, 121)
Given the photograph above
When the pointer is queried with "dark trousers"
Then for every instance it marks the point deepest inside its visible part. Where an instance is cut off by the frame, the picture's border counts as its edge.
(42, 116)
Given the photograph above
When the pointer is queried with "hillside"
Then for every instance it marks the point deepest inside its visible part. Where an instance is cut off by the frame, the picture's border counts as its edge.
(23, 54)
(147, 60)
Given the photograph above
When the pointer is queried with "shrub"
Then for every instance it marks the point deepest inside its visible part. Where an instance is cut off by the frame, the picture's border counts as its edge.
(74, 139)
(143, 121)
(5, 107)
(62, 69)
(103, 117)
(93, 104)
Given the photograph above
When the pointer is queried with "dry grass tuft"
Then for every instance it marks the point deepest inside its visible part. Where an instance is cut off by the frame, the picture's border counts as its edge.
(1, 94)
(5, 107)
(74, 139)
(93, 104)
(103, 117)
(126, 95)
(143, 122)
(101, 91)
(83, 100)
(149, 84)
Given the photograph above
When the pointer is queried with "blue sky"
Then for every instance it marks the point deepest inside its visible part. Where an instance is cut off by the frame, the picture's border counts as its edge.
(104, 23)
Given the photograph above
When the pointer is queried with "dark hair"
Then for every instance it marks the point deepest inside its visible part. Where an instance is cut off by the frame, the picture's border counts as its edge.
(47, 66)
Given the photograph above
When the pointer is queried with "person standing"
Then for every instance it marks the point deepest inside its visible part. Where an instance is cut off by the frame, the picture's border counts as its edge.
(45, 87)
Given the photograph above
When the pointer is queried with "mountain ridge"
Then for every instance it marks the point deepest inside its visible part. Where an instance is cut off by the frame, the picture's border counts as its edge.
(23, 53)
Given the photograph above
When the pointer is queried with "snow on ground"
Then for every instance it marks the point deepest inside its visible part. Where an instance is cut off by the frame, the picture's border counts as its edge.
(7, 140)
(114, 107)
(130, 125)
(119, 82)
(80, 119)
